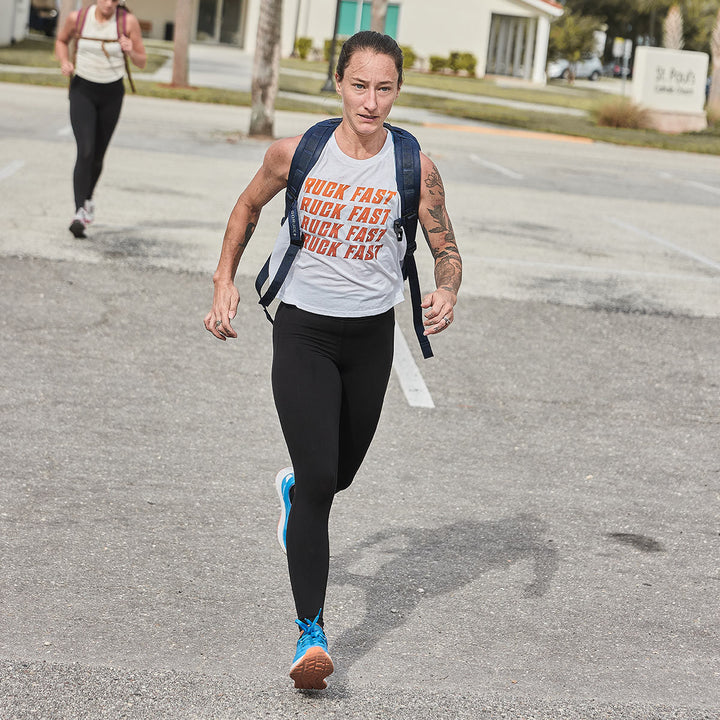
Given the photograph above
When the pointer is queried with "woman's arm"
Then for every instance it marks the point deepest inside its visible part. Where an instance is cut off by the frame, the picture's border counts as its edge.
(269, 180)
(132, 43)
(438, 231)
(62, 43)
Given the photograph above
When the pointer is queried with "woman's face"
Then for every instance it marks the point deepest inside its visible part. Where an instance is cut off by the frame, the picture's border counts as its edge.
(368, 90)
(106, 7)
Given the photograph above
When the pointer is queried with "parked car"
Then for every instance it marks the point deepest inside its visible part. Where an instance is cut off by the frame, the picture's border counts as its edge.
(44, 16)
(590, 68)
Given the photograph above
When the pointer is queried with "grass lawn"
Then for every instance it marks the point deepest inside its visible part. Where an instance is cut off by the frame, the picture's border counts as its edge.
(37, 51)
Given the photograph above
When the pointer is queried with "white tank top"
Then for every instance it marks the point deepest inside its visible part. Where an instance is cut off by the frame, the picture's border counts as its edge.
(92, 63)
(350, 262)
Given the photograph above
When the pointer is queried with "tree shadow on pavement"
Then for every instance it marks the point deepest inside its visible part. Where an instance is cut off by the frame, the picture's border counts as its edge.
(396, 569)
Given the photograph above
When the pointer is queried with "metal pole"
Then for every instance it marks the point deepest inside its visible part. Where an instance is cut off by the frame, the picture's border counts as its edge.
(329, 85)
(294, 52)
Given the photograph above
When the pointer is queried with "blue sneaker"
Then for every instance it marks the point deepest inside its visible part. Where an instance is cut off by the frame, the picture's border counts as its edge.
(284, 480)
(312, 664)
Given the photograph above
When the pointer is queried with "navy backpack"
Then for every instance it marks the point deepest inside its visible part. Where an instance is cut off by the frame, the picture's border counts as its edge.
(407, 175)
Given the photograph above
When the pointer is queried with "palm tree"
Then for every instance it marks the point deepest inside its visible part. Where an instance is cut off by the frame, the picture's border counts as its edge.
(266, 68)
(181, 42)
(714, 97)
(673, 29)
(378, 14)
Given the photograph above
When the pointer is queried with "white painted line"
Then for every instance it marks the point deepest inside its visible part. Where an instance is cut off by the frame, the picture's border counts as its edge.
(703, 186)
(498, 168)
(11, 169)
(411, 381)
(666, 243)
(691, 183)
(65, 131)
(597, 270)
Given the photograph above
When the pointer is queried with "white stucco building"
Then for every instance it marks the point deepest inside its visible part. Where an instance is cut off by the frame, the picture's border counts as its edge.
(508, 37)
(13, 20)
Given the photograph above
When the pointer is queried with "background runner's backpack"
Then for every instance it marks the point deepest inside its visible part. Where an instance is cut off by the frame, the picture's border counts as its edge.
(407, 177)
(80, 24)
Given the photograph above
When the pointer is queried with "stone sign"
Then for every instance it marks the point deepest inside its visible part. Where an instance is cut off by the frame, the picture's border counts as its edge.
(671, 85)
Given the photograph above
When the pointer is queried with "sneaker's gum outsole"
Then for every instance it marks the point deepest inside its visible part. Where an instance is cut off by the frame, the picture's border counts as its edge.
(311, 671)
(78, 229)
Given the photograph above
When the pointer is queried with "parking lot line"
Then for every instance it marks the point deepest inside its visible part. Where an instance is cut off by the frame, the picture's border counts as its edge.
(498, 168)
(691, 183)
(10, 169)
(665, 243)
(408, 374)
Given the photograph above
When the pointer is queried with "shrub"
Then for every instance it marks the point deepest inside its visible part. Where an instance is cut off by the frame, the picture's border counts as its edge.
(438, 63)
(468, 62)
(303, 46)
(409, 56)
(621, 113)
(713, 115)
(462, 61)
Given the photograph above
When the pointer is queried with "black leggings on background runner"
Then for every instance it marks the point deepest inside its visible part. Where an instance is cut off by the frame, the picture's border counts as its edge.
(329, 377)
(94, 113)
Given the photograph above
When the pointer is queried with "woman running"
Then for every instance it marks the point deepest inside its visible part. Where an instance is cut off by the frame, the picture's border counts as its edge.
(334, 327)
(106, 34)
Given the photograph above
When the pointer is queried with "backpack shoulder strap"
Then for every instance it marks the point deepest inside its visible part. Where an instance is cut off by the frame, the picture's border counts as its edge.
(124, 11)
(306, 154)
(80, 21)
(79, 25)
(408, 176)
(308, 151)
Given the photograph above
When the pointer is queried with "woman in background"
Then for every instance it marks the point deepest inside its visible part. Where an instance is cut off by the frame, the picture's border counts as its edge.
(106, 34)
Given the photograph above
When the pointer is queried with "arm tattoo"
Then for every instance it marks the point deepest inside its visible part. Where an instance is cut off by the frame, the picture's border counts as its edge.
(440, 216)
(433, 181)
(249, 230)
(448, 264)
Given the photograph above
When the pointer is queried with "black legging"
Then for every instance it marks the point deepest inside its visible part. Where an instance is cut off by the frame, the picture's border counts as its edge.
(329, 377)
(94, 112)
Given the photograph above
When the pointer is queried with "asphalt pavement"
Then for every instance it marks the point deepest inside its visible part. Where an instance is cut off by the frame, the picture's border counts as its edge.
(543, 542)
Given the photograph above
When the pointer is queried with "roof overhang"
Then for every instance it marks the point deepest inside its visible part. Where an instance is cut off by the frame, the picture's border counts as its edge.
(548, 7)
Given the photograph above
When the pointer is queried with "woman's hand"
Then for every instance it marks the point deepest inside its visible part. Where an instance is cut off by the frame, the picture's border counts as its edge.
(67, 68)
(440, 313)
(224, 309)
(126, 44)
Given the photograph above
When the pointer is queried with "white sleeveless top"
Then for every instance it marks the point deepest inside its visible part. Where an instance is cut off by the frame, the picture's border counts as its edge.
(350, 262)
(92, 63)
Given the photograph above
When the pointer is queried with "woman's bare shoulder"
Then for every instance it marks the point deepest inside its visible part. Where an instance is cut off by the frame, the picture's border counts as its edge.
(280, 154)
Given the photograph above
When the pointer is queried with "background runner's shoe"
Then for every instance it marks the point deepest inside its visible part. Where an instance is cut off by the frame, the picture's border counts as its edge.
(89, 208)
(284, 480)
(79, 223)
(312, 664)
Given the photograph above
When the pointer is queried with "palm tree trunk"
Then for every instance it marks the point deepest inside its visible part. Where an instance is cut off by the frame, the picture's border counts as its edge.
(181, 42)
(714, 96)
(378, 15)
(266, 68)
